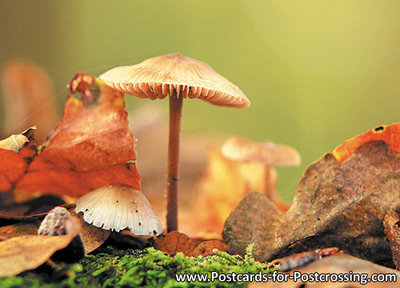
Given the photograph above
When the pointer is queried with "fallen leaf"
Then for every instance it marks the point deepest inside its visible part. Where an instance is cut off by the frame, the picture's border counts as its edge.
(91, 236)
(14, 165)
(28, 97)
(35, 207)
(28, 252)
(391, 224)
(21, 228)
(206, 248)
(336, 205)
(390, 134)
(338, 266)
(81, 153)
(175, 242)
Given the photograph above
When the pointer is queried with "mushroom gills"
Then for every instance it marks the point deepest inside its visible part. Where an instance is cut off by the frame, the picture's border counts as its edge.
(118, 207)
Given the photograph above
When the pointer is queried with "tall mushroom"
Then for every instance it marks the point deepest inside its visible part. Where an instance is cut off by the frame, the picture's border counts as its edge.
(178, 77)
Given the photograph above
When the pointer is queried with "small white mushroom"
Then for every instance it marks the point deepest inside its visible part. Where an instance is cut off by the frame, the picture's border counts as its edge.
(118, 207)
(55, 222)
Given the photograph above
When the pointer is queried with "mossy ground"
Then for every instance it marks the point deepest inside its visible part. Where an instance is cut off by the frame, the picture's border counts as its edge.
(111, 267)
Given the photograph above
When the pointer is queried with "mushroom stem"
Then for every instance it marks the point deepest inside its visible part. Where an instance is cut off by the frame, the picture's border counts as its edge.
(175, 111)
(268, 183)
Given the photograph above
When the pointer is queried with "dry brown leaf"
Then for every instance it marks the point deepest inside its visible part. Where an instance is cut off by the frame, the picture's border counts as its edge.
(206, 248)
(391, 224)
(175, 242)
(336, 205)
(27, 227)
(92, 237)
(28, 252)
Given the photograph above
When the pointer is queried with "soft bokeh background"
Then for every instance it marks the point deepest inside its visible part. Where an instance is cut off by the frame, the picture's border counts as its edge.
(317, 72)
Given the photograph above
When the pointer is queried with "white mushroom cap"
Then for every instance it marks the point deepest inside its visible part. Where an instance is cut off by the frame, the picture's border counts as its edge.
(117, 207)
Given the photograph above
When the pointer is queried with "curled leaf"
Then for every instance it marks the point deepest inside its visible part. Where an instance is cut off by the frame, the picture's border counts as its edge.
(90, 147)
(336, 204)
(390, 134)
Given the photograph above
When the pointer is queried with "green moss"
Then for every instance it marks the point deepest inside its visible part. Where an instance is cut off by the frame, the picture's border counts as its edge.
(111, 267)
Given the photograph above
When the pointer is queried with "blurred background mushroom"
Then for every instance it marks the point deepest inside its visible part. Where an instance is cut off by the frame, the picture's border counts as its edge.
(177, 77)
(267, 154)
(237, 167)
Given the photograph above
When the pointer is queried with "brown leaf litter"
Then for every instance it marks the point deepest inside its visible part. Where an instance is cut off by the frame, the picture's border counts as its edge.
(336, 205)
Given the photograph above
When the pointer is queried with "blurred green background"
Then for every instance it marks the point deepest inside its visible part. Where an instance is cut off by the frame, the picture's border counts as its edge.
(316, 72)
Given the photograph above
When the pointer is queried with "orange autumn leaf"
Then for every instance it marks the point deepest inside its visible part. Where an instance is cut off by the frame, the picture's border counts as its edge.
(91, 146)
(221, 188)
(14, 163)
(390, 134)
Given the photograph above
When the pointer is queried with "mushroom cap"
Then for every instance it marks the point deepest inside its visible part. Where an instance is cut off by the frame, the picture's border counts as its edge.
(117, 207)
(160, 76)
(240, 149)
